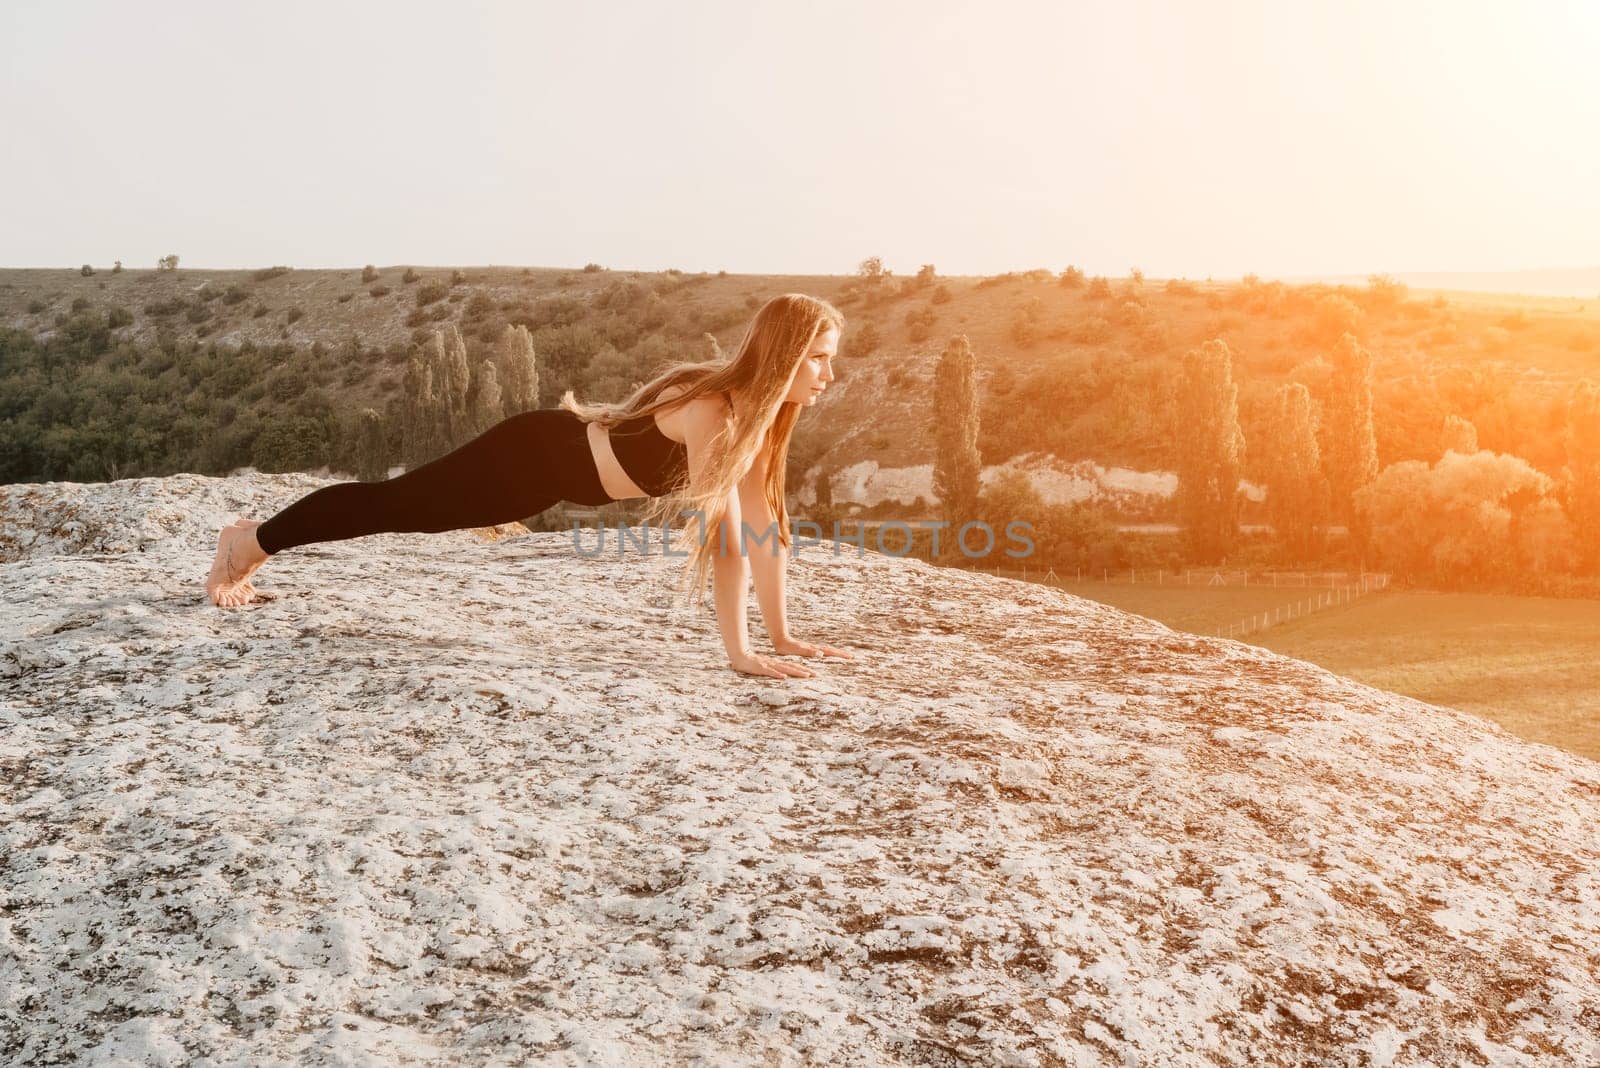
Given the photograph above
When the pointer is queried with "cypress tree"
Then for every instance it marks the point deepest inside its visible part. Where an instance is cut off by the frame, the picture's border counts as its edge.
(454, 381)
(487, 405)
(420, 430)
(518, 370)
(1349, 444)
(1211, 450)
(370, 452)
(1296, 490)
(956, 463)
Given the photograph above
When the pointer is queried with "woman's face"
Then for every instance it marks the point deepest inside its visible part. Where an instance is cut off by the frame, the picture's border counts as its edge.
(815, 370)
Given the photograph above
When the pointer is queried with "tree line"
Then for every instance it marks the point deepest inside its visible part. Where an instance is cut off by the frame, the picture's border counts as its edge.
(1470, 516)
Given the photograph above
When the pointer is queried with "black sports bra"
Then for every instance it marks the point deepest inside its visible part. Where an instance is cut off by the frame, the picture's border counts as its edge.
(654, 461)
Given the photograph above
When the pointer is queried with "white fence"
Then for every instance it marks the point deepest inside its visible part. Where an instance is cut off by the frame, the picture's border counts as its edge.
(1341, 595)
(1210, 576)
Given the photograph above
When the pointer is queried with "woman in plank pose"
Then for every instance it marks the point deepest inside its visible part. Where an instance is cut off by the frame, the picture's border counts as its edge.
(706, 439)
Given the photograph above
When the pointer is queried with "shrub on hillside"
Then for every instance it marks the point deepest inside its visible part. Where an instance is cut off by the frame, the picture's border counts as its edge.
(621, 296)
(379, 292)
(863, 341)
(430, 292)
(267, 273)
(369, 273)
(410, 276)
(1026, 323)
(1334, 317)
(1078, 535)
(1155, 337)
(655, 313)
(292, 443)
(1384, 292)
(1024, 331)
(919, 322)
(1090, 331)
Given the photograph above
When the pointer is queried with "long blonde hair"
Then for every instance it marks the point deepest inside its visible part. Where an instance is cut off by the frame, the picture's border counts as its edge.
(777, 339)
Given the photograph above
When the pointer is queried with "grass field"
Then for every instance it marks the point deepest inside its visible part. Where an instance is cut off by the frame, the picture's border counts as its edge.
(1530, 664)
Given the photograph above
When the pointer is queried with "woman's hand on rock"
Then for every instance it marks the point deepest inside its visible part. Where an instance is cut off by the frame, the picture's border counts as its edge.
(752, 663)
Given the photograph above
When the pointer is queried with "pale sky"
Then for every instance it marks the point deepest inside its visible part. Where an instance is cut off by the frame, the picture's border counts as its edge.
(1185, 138)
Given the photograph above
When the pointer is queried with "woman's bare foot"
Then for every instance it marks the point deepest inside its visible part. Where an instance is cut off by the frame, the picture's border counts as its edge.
(238, 557)
(247, 586)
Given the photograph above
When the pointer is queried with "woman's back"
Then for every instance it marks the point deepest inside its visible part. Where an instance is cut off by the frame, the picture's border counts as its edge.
(653, 459)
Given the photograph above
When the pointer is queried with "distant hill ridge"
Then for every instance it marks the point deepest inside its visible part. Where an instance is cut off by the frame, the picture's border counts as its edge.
(1581, 282)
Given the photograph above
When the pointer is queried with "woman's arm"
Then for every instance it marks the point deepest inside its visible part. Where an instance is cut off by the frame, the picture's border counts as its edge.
(769, 562)
(730, 575)
(769, 558)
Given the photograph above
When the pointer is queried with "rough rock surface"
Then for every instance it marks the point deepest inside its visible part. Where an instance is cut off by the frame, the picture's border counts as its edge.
(453, 800)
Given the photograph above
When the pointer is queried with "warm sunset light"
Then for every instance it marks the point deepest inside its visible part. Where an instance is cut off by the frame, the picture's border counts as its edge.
(1042, 535)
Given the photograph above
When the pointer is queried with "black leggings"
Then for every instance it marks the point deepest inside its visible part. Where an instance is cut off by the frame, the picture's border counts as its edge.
(515, 469)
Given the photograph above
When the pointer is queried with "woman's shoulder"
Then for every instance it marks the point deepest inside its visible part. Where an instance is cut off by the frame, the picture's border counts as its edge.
(700, 418)
(707, 407)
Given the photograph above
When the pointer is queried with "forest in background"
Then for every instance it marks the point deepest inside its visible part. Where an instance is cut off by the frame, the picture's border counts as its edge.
(153, 372)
